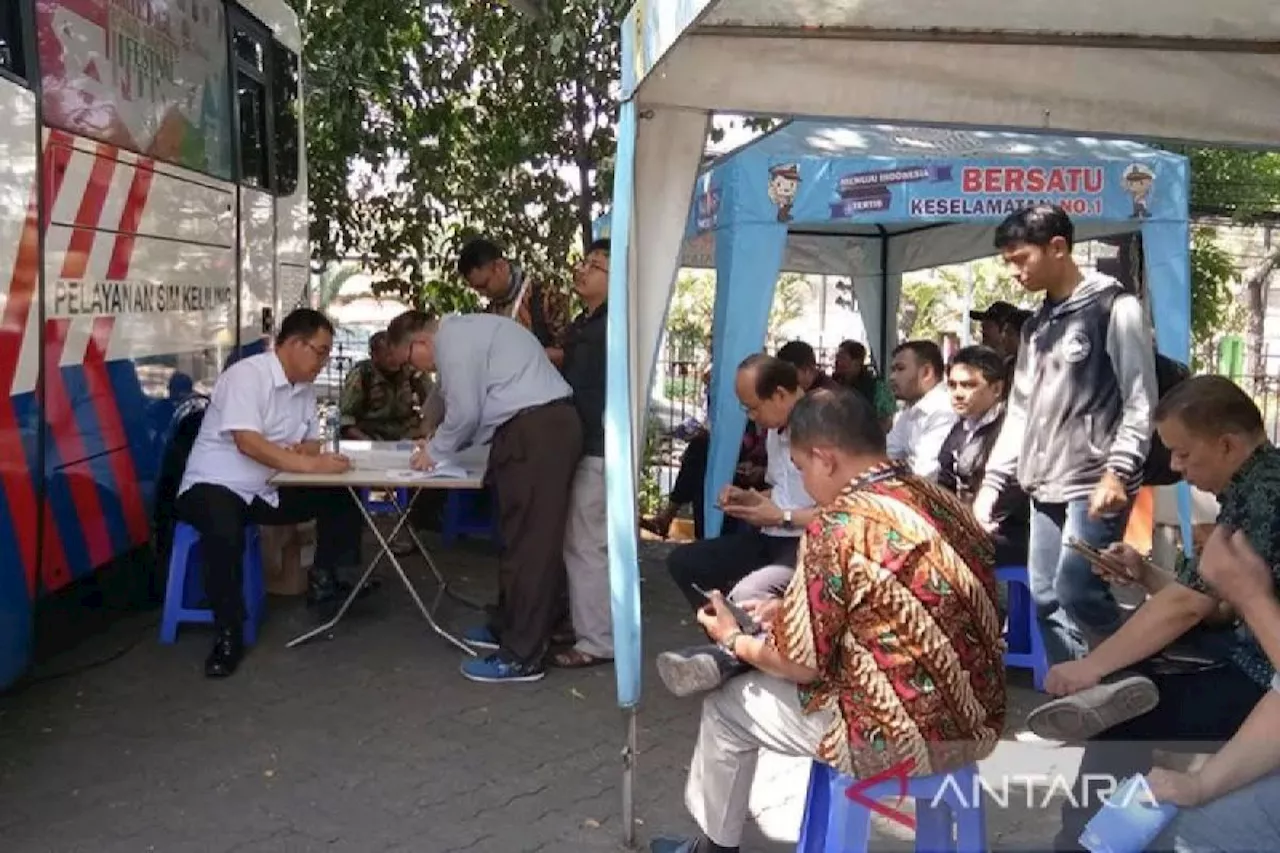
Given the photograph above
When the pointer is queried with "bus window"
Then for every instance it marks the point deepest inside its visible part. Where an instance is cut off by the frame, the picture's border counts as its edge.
(249, 46)
(284, 101)
(12, 59)
(254, 170)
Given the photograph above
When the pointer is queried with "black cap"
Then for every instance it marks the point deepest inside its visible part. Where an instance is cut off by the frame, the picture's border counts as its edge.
(997, 312)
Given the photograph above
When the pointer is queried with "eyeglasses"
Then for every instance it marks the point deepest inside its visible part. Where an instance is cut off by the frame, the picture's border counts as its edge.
(322, 352)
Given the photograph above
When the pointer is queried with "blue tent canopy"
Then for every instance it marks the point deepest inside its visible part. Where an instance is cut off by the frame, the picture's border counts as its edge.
(875, 201)
(872, 202)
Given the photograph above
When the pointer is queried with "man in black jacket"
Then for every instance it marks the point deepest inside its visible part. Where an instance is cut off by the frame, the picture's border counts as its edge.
(978, 380)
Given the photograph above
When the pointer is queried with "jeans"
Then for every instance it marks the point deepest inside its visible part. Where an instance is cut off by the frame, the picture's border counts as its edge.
(1074, 605)
(1198, 712)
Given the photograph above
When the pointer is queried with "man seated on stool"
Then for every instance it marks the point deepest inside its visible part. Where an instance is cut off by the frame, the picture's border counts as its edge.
(1232, 802)
(917, 378)
(500, 389)
(884, 651)
(263, 420)
(765, 550)
(978, 380)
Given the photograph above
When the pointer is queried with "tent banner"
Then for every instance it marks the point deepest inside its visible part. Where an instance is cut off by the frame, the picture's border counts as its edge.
(864, 191)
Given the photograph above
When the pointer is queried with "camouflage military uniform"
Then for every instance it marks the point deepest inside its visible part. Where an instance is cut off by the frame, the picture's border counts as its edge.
(384, 408)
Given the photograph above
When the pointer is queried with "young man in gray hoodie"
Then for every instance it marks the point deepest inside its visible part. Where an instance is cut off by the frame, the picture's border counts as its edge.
(1078, 426)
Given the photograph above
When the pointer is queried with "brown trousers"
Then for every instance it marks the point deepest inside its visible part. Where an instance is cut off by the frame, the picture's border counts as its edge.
(532, 461)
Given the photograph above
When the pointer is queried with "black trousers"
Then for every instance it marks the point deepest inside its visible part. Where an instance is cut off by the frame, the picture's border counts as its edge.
(1198, 712)
(220, 516)
(531, 463)
(721, 562)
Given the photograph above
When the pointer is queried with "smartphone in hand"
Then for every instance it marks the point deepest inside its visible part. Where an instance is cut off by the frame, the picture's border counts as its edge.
(746, 624)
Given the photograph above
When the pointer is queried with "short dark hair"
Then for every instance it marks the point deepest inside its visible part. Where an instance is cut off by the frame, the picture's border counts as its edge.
(1018, 319)
(926, 352)
(378, 339)
(475, 253)
(303, 323)
(839, 418)
(408, 324)
(1211, 407)
(771, 374)
(1037, 225)
(856, 350)
(799, 354)
(985, 360)
(601, 245)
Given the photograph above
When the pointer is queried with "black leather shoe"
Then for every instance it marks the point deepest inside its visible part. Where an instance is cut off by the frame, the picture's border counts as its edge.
(325, 594)
(698, 669)
(228, 651)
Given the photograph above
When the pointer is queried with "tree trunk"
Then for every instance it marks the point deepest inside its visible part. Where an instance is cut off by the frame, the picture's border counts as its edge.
(582, 158)
(1255, 285)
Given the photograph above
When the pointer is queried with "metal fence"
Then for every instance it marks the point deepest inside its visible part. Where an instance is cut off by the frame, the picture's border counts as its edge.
(1262, 383)
(680, 393)
(677, 409)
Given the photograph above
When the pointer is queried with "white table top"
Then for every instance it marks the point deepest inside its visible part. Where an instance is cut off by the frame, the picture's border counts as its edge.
(474, 460)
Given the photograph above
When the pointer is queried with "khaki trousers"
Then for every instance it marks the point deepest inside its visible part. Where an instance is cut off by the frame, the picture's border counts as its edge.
(751, 712)
(586, 559)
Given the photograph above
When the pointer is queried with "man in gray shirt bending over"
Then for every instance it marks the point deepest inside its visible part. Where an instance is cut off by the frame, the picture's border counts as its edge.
(1078, 426)
(500, 389)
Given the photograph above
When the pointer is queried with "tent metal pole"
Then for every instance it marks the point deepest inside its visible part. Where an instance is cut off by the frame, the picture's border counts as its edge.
(884, 297)
(628, 780)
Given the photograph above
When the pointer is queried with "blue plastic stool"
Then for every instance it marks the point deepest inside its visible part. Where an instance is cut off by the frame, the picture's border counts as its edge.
(385, 507)
(1024, 645)
(834, 823)
(185, 591)
(462, 517)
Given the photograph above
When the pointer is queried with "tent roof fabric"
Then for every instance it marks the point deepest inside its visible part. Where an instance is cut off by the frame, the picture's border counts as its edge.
(871, 141)
(1127, 67)
(1177, 19)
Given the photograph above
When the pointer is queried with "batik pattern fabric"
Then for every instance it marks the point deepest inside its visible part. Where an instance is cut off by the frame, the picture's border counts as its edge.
(893, 603)
(543, 310)
(1251, 504)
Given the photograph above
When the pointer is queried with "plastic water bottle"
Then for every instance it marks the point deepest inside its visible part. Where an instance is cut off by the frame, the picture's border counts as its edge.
(333, 423)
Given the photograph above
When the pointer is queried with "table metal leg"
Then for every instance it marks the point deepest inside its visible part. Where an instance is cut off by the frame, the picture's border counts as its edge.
(385, 546)
(431, 564)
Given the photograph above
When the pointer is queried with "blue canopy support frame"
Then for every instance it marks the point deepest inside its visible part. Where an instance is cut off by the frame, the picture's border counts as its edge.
(863, 200)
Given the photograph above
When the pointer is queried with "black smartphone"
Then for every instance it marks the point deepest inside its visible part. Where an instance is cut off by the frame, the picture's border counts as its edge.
(744, 620)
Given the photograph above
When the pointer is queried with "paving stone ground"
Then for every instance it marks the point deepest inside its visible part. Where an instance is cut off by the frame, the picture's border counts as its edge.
(371, 742)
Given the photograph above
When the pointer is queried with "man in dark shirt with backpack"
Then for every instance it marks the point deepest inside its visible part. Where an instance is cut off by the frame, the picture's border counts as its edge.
(1078, 427)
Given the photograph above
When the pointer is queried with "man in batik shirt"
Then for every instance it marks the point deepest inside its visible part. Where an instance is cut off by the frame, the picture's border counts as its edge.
(883, 654)
(542, 310)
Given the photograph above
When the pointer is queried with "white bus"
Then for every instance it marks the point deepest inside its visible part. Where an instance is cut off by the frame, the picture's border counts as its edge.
(153, 222)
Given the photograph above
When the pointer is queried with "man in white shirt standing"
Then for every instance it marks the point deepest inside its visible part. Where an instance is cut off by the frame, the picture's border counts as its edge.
(917, 378)
(500, 389)
(768, 389)
(263, 419)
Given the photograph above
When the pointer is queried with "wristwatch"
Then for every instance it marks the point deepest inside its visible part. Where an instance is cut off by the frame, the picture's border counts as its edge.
(786, 519)
(729, 641)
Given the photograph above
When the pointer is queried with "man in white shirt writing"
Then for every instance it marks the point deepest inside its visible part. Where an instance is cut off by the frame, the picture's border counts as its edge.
(500, 389)
(263, 419)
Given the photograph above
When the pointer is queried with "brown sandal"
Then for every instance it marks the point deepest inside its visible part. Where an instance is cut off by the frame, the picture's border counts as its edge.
(577, 659)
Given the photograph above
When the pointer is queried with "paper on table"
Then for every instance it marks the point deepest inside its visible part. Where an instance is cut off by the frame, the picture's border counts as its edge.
(441, 471)
(376, 455)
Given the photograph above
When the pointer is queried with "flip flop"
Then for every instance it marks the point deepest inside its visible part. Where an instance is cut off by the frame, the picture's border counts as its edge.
(575, 659)
(1090, 712)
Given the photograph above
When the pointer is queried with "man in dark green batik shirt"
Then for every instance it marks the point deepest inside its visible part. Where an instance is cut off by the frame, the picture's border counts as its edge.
(1218, 442)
